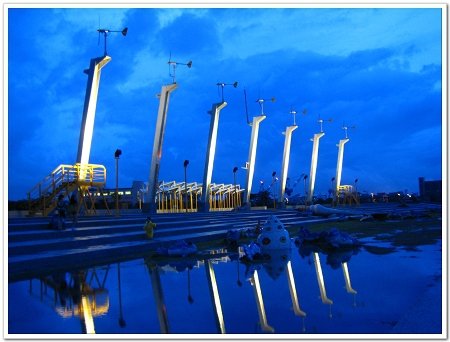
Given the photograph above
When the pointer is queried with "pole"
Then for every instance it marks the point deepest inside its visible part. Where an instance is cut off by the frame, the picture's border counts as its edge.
(235, 194)
(117, 155)
(117, 186)
(186, 163)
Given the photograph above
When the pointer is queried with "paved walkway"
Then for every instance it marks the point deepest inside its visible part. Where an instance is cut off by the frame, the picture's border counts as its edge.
(33, 248)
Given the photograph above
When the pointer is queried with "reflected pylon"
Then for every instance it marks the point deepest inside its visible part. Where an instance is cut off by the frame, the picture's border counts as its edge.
(348, 284)
(320, 280)
(159, 299)
(293, 291)
(260, 303)
(212, 283)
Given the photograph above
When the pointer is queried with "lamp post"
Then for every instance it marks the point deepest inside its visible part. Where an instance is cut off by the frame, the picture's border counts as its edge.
(333, 190)
(273, 189)
(117, 155)
(304, 186)
(235, 197)
(185, 164)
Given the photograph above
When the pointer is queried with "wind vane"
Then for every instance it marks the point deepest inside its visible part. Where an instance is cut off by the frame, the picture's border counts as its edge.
(294, 112)
(261, 103)
(222, 85)
(345, 128)
(321, 122)
(106, 32)
(173, 66)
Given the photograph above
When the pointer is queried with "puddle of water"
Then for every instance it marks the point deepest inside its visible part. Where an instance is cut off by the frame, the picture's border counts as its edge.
(133, 298)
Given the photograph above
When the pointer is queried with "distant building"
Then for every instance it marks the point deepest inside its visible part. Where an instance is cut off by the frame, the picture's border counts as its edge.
(128, 197)
(430, 190)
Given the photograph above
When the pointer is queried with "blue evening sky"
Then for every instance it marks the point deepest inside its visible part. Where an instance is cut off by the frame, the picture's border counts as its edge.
(379, 69)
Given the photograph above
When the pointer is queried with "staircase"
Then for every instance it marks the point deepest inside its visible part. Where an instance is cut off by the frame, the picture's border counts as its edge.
(63, 180)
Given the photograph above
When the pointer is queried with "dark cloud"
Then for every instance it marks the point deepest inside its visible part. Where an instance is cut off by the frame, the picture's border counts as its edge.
(390, 92)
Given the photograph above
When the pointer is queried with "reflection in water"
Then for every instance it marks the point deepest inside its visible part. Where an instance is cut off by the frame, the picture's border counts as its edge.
(214, 292)
(254, 280)
(348, 284)
(83, 294)
(159, 298)
(320, 280)
(293, 291)
(79, 295)
(336, 257)
(122, 322)
(190, 299)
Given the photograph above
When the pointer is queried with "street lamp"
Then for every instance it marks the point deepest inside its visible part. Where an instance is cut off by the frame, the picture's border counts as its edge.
(185, 164)
(235, 197)
(332, 188)
(273, 189)
(117, 155)
(304, 186)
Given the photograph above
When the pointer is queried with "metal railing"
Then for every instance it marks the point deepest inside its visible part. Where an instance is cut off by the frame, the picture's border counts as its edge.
(62, 178)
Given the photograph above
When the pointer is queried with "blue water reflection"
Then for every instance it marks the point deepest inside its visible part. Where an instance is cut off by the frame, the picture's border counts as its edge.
(293, 294)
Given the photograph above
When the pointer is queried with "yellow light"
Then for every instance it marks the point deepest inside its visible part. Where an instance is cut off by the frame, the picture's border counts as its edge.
(87, 313)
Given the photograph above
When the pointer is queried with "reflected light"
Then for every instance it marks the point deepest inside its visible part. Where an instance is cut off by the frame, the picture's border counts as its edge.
(320, 280)
(215, 295)
(348, 285)
(259, 301)
(293, 291)
(87, 313)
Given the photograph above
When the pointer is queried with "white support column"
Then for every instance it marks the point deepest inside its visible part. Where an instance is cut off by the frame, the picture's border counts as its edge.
(90, 105)
(286, 156)
(252, 156)
(340, 158)
(312, 172)
(210, 153)
(157, 145)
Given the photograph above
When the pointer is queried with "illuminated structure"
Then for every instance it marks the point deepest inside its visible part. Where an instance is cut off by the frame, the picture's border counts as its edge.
(159, 136)
(341, 144)
(312, 172)
(210, 153)
(345, 192)
(315, 153)
(286, 156)
(252, 150)
(90, 105)
(252, 156)
(157, 145)
(90, 100)
(171, 195)
(340, 159)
